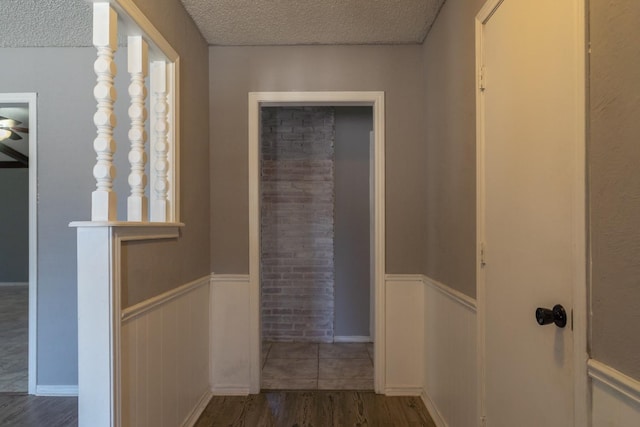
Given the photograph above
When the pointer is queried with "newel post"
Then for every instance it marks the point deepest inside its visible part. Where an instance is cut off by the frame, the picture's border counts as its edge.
(105, 39)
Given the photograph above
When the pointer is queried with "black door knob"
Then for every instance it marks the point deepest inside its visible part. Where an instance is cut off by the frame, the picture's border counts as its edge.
(557, 315)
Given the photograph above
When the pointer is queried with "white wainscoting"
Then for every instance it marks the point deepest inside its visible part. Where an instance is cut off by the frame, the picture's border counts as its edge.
(615, 397)
(404, 334)
(230, 334)
(450, 363)
(165, 358)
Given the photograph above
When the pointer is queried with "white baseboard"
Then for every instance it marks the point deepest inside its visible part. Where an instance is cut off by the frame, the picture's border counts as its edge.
(402, 391)
(436, 416)
(57, 390)
(230, 390)
(352, 338)
(14, 284)
(193, 417)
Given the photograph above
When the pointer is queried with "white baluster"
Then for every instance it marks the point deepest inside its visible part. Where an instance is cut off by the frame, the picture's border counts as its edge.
(160, 202)
(138, 66)
(105, 30)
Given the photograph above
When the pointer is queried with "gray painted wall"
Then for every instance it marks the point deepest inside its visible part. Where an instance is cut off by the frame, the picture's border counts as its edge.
(614, 180)
(64, 80)
(65, 135)
(236, 71)
(160, 266)
(450, 163)
(352, 219)
(14, 225)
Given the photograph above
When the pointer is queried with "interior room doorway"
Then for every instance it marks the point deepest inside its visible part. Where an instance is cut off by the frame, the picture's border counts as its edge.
(375, 100)
(315, 227)
(18, 173)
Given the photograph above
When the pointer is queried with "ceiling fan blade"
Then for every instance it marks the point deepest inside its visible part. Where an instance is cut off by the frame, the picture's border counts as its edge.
(21, 130)
(15, 136)
(5, 149)
(4, 122)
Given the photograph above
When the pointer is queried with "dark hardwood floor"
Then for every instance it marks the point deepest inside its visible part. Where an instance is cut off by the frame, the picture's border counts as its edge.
(21, 410)
(315, 409)
(268, 409)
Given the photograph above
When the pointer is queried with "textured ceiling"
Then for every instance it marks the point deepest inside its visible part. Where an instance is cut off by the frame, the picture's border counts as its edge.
(285, 22)
(42, 23)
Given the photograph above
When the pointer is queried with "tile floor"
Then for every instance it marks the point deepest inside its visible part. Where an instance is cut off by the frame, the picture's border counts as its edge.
(313, 366)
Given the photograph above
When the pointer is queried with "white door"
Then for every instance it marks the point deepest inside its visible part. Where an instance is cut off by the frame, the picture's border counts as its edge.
(529, 207)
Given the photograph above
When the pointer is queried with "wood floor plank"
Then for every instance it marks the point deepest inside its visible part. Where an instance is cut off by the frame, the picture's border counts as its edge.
(315, 409)
(38, 411)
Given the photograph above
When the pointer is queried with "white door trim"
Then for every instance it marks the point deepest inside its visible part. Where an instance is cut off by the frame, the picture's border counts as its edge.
(582, 405)
(31, 100)
(374, 99)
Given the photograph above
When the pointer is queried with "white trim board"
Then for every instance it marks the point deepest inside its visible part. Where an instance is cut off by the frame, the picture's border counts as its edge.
(403, 390)
(57, 390)
(436, 416)
(147, 305)
(454, 294)
(230, 390)
(351, 338)
(193, 417)
(377, 101)
(31, 99)
(614, 379)
(227, 278)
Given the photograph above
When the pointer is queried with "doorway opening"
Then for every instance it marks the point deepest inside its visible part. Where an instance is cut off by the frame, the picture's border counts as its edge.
(315, 228)
(374, 100)
(18, 252)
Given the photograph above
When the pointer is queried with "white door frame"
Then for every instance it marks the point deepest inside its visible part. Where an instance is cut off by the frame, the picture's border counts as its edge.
(580, 352)
(259, 99)
(31, 99)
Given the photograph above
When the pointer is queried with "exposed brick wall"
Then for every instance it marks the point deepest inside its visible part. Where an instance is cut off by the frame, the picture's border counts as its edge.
(297, 226)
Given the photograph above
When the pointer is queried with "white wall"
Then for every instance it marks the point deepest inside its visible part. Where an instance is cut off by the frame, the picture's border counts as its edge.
(450, 362)
(404, 334)
(230, 332)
